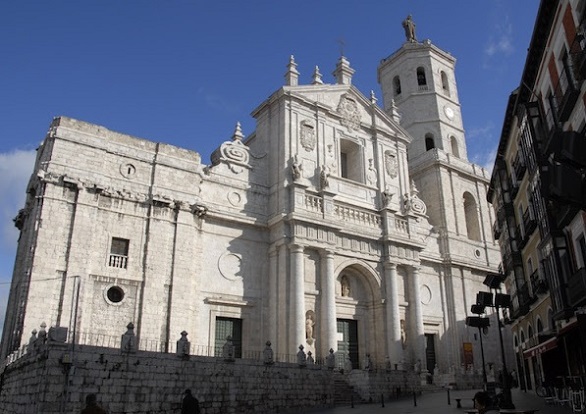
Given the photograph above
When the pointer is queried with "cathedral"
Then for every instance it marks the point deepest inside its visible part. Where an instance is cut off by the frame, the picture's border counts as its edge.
(340, 223)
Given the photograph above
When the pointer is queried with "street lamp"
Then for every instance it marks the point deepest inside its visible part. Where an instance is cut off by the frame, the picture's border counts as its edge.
(482, 324)
(493, 281)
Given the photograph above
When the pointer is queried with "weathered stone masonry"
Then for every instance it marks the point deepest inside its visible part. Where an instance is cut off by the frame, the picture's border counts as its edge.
(44, 381)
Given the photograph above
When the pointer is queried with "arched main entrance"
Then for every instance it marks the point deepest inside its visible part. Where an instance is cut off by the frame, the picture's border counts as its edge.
(359, 315)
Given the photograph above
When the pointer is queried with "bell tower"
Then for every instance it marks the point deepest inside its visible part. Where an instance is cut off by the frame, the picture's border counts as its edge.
(420, 80)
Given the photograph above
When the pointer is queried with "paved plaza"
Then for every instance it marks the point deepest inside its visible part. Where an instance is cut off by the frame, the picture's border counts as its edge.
(437, 402)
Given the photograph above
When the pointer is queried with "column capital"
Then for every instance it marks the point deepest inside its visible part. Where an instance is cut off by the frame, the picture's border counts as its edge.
(296, 247)
(327, 253)
(390, 265)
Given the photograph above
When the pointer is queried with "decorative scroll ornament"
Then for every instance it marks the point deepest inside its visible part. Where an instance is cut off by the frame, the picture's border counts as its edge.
(413, 204)
(234, 153)
(391, 166)
(348, 109)
(307, 135)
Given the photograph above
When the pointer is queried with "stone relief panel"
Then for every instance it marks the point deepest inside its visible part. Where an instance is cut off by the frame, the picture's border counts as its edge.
(391, 164)
(230, 266)
(307, 135)
(348, 109)
(425, 294)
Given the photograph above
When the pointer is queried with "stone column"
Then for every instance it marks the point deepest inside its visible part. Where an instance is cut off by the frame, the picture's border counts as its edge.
(328, 334)
(272, 295)
(417, 318)
(394, 344)
(281, 345)
(297, 322)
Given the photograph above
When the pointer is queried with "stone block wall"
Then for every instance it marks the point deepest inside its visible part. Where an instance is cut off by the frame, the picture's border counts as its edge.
(392, 384)
(147, 382)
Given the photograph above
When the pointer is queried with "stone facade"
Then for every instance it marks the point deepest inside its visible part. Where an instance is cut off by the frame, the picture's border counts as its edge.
(319, 229)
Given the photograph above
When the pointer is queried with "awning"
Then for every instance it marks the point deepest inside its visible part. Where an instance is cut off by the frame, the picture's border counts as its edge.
(541, 348)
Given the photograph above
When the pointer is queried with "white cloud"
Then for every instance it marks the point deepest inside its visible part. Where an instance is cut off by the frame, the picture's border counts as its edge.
(500, 42)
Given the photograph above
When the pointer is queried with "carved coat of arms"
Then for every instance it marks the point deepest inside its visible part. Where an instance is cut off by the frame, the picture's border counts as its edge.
(391, 164)
(348, 109)
(307, 135)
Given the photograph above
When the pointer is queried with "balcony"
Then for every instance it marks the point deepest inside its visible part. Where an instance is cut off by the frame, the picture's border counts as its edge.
(519, 166)
(576, 288)
(539, 285)
(529, 223)
(566, 93)
(523, 238)
(578, 54)
(520, 302)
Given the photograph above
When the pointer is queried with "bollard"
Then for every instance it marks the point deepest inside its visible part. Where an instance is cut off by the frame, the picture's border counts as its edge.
(352, 400)
(449, 402)
(382, 400)
(414, 399)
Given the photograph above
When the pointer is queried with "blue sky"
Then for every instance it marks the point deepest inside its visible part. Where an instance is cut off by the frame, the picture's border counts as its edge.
(184, 72)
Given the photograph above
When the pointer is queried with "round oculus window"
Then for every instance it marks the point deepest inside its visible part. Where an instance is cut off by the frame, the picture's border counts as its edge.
(115, 294)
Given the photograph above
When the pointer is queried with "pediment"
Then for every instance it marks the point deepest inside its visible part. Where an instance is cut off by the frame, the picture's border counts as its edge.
(351, 109)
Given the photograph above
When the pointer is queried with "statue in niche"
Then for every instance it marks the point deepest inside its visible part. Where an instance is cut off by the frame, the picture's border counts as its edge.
(345, 286)
(409, 27)
(407, 202)
(309, 324)
(387, 196)
(296, 168)
(403, 335)
(325, 177)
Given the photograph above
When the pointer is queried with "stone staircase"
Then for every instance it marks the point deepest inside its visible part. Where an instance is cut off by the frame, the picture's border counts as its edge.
(344, 393)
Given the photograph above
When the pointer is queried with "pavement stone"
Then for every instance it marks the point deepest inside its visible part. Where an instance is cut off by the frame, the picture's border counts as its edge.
(437, 402)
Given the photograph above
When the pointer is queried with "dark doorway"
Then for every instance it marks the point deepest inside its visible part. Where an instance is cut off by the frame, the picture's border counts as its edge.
(348, 345)
(430, 360)
(228, 327)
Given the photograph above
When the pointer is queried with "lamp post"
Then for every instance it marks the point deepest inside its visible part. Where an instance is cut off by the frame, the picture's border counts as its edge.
(493, 281)
(481, 323)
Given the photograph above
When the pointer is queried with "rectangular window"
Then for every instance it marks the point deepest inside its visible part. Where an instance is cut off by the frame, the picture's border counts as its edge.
(228, 327)
(119, 253)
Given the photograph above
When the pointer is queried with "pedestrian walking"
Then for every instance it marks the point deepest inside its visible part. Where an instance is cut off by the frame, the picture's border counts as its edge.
(190, 403)
(91, 405)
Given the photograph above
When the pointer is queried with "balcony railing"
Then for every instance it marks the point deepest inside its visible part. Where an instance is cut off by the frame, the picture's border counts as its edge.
(529, 223)
(539, 285)
(119, 261)
(577, 288)
(578, 54)
(566, 92)
(519, 166)
(520, 301)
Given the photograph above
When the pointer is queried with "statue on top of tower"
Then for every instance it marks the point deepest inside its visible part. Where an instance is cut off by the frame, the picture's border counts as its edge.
(409, 27)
